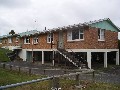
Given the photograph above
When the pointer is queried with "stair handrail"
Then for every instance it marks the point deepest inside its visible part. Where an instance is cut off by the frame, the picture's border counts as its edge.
(71, 50)
(68, 54)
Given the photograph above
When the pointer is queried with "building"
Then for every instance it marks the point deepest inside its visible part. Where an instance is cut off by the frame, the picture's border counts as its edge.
(94, 41)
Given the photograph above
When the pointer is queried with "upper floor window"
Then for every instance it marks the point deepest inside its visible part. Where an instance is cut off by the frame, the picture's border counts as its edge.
(49, 37)
(101, 34)
(75, 35)
(35, 40)
(17, 39)
(9, 40)
(26, 40)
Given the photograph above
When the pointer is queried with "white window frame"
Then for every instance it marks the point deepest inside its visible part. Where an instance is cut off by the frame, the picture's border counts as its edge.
(17, 39)
(9, 40)
(25, 40)
(50, 37)
(101, 35)
(81, 33)
(35, 40)
(70, 38)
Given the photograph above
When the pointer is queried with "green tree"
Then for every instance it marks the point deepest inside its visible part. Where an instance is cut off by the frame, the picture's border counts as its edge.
(12, 32)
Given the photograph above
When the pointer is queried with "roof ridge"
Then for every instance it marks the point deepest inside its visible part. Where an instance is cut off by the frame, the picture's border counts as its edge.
(96, 21)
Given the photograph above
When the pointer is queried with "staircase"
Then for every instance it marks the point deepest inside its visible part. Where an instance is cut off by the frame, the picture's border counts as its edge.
(71, 58)
(11, 55)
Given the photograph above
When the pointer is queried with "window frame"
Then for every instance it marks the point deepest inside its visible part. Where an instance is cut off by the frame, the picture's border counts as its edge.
(25, 40)
(50, 37)
(35, 40)
(70, 35)
(101, 34)
(17, 39)
(9, 40)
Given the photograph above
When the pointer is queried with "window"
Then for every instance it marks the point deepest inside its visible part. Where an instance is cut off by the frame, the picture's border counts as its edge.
(101, 34)
(9, 40)
(75, 35)
(26, 40)
(49, 37)
(17, 39)
(81, 34)
(35, 40)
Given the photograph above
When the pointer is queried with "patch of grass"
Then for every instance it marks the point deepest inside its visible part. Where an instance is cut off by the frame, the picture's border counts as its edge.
(10, 77)
(102, 86)
(3, 56)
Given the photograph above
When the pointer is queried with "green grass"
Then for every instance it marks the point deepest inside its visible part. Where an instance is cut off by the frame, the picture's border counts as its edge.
(10, 77)
(3, 56)
(102, 86)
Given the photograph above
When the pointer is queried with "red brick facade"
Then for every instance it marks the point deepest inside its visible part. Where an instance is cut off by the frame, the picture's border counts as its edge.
(90, 41)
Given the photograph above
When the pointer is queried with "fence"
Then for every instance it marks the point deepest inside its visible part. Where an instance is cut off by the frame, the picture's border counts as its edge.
(38, 71)
(89, 75)
(55, 80)
(16, 68)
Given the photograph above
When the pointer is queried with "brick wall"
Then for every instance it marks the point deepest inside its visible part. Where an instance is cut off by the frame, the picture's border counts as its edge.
(42, 39)
(90, 41)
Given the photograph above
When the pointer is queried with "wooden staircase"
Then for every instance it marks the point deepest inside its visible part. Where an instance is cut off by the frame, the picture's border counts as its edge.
(71, 58)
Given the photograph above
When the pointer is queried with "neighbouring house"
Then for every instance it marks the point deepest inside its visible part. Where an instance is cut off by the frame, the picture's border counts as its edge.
(86, 43)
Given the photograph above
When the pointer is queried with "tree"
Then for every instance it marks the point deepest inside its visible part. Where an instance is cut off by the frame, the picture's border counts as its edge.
(12, 32)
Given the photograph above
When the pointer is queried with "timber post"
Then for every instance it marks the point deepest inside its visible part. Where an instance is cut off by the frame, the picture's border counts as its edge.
(77, 79)
(56, 85)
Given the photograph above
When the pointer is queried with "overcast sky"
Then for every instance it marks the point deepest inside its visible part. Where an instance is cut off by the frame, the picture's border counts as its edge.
(23, 15)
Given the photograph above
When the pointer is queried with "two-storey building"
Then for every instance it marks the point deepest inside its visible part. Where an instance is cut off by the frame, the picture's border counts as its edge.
(95, 41)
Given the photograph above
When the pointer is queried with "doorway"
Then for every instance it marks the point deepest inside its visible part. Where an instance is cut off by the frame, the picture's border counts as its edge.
(60, 42)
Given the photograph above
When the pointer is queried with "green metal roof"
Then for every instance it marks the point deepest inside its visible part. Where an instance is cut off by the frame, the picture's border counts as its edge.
(5, 36)
(28, 33)
(104, 24)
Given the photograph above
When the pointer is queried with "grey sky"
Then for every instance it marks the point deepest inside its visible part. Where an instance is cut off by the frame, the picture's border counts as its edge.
(23, 15)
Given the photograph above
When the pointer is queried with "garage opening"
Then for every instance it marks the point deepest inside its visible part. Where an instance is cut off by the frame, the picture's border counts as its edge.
(111, 58)
(97, 60)
(48, 56)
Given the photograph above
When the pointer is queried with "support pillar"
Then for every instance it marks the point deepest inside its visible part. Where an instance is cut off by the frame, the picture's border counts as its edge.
(117, 58)
(53, 61)
(89, 59)
(42, 57)
(105, 59)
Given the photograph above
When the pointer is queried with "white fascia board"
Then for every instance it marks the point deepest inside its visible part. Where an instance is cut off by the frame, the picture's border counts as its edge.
(92, 50)
(40, 49)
